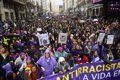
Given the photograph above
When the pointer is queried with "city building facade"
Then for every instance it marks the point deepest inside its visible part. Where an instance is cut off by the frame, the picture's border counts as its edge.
(15, 10)
(90, 8)
(69, 5)
(12, 9)
(44, 5)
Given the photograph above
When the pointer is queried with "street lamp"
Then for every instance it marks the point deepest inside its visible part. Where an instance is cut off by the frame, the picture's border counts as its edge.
(50, 5)
(86, 11)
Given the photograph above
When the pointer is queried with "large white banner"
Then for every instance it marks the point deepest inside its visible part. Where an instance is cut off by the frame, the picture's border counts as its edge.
(43, 39)
(110, 39)
(101, 37)
(62, 38)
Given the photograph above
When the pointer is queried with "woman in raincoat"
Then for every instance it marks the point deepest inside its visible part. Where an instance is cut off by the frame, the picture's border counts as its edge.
(47, 62)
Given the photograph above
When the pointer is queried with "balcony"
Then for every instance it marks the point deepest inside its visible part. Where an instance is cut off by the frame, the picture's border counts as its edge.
(23, 2)
(31, 2)
(83, 2)
(80, 1)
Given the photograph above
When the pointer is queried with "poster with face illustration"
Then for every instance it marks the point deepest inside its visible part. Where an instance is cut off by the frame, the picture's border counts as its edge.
(43, 39)
(101, 37)
(110, 39)
(62, 38)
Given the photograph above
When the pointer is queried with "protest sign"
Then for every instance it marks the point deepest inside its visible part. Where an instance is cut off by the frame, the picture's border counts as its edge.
(43, 39)
(90, 71)
(110, 39)
(62, 38)
(101, 37)
(82, 21)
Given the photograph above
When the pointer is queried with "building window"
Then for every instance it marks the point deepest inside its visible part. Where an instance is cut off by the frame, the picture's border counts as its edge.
(6, 5)
(101, 11)
(97, 11)
(93, 12)
(12, 16)
(11, 7)
(6, 15)
(21, 8)
(21, 16)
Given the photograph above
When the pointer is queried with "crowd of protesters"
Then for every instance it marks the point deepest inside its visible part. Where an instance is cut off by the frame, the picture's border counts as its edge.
(22, 58)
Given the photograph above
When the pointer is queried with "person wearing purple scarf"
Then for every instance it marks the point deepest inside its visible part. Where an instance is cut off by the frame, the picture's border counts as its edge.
(65, 48)
(101, 50)
(32, 42)
(78, 50)
(20, 45)
(95, 57)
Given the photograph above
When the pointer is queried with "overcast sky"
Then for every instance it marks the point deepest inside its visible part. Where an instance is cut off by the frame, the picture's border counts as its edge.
(58, 2)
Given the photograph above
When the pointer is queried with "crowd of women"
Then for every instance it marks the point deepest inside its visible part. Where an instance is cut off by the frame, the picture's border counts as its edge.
(22, 58)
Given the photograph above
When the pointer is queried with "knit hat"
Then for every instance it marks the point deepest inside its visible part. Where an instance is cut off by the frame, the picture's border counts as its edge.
(22, 53)
(61, 59)
(47, 51)
(28, 58)
(60, 49)
(39, 29)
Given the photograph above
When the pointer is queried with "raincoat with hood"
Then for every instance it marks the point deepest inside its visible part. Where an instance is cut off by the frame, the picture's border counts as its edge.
(48, 64)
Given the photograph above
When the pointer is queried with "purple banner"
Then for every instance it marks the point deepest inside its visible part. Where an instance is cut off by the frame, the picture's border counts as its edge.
(96, 1)
(91, 71)
(114, 6)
